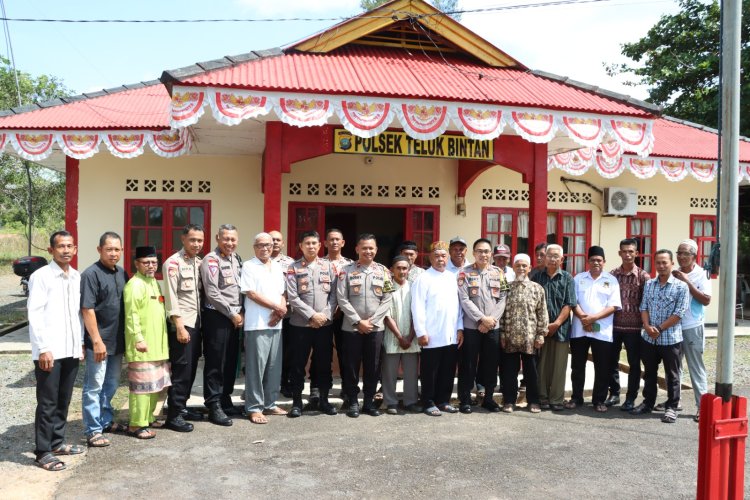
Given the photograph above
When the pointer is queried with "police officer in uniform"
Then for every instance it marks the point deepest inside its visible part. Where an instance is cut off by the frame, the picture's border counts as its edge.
(363, 294)
(284, 261)
(222, 317)
(481, 291)
(334, 244)
(182, 286)
(311, 291)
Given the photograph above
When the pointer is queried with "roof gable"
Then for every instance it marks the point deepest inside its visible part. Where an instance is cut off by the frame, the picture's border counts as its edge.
(385, 26)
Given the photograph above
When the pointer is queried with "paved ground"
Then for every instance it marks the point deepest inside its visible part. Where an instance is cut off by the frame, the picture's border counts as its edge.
(574, 454)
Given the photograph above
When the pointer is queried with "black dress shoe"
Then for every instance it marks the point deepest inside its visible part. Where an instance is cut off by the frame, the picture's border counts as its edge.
(192, 415)
(234, 411)
(641, 409)
(627, 405)
(371, 410)
(294, 412)
(217, 416)
(614, 399)
(491, 406)
(178, 424)
(465, 408)
(327, 408)
(663, 407)
(353, 410)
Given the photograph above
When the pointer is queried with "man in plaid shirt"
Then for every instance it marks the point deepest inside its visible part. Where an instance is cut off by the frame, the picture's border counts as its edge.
(665, 300)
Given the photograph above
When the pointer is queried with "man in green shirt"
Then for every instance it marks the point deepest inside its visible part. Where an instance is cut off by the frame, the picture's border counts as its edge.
(146, 347)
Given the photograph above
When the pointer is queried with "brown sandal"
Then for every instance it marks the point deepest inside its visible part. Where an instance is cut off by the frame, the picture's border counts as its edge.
(257, 417)
(274, 411)
(98, 441)
(50, 462)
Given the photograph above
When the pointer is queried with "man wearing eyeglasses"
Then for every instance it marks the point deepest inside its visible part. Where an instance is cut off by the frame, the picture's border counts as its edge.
(222, 317)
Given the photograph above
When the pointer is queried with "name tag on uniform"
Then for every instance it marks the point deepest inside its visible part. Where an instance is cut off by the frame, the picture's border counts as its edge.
(473, 281)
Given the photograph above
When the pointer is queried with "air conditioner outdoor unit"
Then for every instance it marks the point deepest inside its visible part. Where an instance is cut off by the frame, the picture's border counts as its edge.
(620, 201)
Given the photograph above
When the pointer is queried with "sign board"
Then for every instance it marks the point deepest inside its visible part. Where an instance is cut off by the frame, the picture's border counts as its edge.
(393, 143)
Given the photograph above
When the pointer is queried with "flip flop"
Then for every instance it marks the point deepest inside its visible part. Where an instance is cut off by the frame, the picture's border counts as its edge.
(142, 433)
(571, 405)
(50, 462)
(534, 408)
(257, 417)
(98, 441)
(156, 424)
(69, 449)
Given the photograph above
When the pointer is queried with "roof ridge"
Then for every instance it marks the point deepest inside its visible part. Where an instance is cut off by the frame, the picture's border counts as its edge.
(699, 126)
(617, 96)
(60, 101)
(170, 77)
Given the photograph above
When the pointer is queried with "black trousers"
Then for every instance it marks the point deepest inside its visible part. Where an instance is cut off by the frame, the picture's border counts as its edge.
(511, 364)
(286, 354)
(54, 390)
(478, 359)
(579, 353)
(183, 359)
(338, 341)
(670, 356)
(221, 346)
(632, 343)
(437, 368)
(361, 351)
(320, 340)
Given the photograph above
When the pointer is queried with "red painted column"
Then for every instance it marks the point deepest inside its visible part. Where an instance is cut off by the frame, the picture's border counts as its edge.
(271, 183)
(538, 197)
(72, 177)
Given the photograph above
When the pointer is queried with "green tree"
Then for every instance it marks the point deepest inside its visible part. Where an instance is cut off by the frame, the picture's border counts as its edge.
(48, 187)
(443, 5)
(678, 60)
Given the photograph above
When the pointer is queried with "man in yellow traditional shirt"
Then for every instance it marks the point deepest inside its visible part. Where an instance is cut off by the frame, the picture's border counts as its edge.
(146, 347)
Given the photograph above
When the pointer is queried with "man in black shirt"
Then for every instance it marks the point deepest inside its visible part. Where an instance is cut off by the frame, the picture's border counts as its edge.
(103, 318)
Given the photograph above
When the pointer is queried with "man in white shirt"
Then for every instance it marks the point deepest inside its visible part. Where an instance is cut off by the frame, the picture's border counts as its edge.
(598, 295)
(699, 286)
(438, 323)
(262, 283)
(56, 336)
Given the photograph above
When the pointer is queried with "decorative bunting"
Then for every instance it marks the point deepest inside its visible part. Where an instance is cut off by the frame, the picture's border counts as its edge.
(171, 143)
(635, 136)
(609, 170)
(534, 126)
(187, 106)
(3, 141)
(479, 123)
(234, 106)
(79, 145)
(304, 112)
(703, 171)
(33, 146)
(125, 145)
(364, 118)
(586, 131)
(673, 170)
(642, 168)
(423, 120)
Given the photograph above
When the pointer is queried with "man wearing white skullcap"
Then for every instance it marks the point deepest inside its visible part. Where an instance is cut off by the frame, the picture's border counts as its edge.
(699, 286)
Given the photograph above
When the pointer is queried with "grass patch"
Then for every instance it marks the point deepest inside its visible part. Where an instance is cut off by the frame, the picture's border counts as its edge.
(15, 245)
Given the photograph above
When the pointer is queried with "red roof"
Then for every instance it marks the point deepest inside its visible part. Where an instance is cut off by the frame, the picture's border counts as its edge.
(681, 140)
(397, 73)
(139, 108)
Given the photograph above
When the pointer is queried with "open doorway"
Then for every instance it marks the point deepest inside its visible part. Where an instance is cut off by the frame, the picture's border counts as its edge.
(391, 224)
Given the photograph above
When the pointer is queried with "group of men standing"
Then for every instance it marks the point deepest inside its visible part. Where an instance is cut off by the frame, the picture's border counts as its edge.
(481, 319)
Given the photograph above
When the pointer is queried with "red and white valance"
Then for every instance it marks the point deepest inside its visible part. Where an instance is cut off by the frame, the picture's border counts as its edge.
(610, 162)
(368, 116)
(80, 145)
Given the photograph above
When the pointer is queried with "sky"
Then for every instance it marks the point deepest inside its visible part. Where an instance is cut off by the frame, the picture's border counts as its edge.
(567, 40)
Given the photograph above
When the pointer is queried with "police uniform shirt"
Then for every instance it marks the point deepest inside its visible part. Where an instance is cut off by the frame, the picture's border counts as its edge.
(182, 284)
(220, 277)
(361, 294)
(338, 264)
(481, 293)
(311, 289)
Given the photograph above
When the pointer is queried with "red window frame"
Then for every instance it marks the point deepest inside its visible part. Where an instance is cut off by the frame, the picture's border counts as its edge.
(646, 258)
(167, 226)
(416, 223)
(704, 241)
(558, 237)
